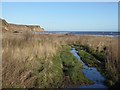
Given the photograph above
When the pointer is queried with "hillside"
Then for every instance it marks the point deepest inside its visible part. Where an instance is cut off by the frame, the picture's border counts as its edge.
(19, 28)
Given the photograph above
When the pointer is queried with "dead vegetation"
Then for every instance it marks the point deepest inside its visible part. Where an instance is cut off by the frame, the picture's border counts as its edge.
(23, 54)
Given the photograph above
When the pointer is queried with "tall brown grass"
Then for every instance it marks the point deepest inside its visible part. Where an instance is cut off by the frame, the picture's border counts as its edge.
(112, 62)
(23, 54)
(0, 55)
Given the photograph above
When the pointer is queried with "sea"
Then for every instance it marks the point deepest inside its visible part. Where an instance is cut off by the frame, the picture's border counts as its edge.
(110, 34)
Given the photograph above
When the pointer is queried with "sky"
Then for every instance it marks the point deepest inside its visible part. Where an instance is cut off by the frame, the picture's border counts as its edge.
(63, 16)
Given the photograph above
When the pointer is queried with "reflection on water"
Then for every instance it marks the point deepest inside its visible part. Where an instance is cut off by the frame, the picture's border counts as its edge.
(91, 73)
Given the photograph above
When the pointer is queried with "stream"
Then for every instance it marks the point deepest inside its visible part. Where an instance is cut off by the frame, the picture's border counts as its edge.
(91, 73)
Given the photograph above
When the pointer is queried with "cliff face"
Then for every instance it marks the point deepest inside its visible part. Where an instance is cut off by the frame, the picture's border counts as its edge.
(19, 28)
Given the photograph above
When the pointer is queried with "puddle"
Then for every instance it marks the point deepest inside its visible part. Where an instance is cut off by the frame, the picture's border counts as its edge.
(91, 73)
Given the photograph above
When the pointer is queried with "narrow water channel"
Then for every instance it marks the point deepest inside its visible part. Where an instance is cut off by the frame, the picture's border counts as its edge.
(91, 73)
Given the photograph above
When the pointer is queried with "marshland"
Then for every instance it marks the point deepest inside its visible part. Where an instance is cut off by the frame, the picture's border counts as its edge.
(45, 61)
(34, 57)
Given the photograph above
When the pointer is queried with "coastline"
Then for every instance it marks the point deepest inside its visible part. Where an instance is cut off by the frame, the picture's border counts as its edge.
(99, 34)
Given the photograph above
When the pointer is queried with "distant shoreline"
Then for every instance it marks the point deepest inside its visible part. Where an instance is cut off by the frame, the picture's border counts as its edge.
(101, 34)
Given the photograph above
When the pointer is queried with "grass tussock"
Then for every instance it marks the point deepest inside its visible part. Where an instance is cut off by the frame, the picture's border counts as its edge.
(88, 58)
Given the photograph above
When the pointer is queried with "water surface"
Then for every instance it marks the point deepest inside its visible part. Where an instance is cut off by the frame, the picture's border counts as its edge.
(91, 73)
(95, 33)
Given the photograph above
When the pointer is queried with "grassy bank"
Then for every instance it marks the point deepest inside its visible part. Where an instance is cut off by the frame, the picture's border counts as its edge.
(72, 68)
